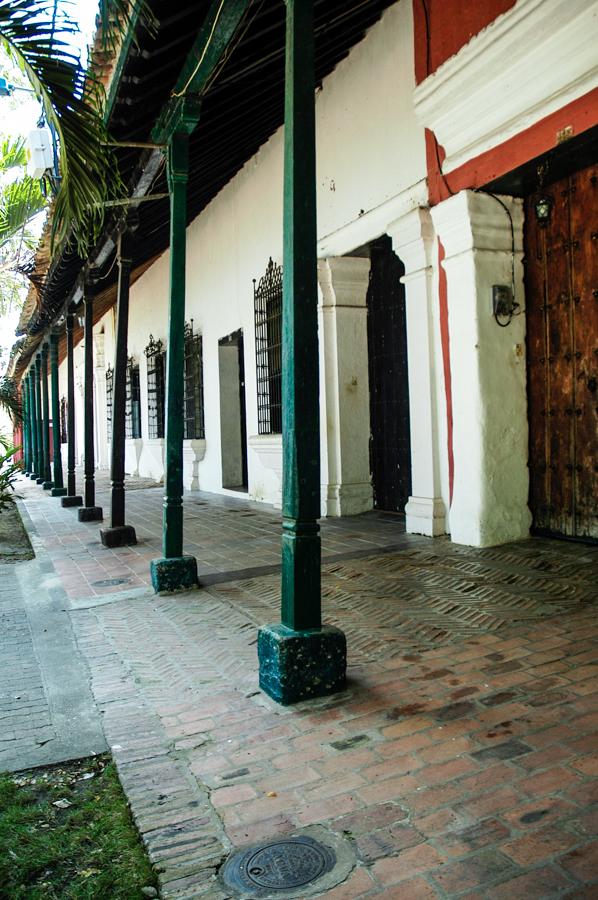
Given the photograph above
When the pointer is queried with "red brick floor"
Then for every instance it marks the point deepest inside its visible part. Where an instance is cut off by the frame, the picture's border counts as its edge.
(460, 762)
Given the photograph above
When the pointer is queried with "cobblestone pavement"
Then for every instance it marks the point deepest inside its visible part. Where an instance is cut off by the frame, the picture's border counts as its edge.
(459, 763)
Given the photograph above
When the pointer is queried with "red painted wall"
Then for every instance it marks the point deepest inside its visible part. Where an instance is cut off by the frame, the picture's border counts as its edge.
(452, 23)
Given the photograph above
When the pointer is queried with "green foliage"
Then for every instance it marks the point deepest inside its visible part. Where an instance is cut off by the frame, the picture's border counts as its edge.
(9, 471)
(89, 849)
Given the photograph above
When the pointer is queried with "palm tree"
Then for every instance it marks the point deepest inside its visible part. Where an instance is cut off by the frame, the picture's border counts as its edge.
(31, 32)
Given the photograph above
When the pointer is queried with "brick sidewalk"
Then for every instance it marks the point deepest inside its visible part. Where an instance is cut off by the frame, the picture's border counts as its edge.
(460, 762)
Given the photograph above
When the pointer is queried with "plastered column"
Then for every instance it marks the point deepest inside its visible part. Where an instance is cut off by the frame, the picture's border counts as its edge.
(490, 432)
(413, 242)
(345, 411)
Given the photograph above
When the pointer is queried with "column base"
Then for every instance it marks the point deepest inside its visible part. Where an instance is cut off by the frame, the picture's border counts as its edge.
(91, 514)
(425, 515)
(39, 480)
(48, 485)
(32, 476)
(71, 500)
(300, 665)
(177, 573)
(118, 536)
(58, 492)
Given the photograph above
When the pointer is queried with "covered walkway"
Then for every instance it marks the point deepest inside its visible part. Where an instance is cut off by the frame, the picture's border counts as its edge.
(459, 762)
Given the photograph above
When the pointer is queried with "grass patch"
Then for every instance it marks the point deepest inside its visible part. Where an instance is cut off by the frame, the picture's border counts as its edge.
(14, 541)
(87, 847)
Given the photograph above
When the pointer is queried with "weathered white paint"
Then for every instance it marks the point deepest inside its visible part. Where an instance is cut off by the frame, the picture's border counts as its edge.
(531, 61)
(490, 436)
(414, 242)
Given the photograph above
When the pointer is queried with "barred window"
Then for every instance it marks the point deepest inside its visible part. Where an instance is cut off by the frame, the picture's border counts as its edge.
(63, 420)
(109, 393)
(156, 357)
(193, 398)
(267, 299)
(132, 401)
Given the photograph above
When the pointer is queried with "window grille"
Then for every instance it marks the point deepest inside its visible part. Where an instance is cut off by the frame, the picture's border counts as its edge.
(193, 397)
(267, 299)
(132, 401)
(63, 421)
(109, 392)
(156, 356)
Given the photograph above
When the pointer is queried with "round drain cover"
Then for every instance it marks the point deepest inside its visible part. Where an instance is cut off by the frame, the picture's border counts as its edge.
(280, 866)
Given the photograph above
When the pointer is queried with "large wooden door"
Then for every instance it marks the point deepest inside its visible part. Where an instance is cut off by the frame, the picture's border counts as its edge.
(390, 444)
(561, 271)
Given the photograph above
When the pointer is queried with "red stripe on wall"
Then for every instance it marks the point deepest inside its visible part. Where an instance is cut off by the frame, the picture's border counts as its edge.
(446, 362)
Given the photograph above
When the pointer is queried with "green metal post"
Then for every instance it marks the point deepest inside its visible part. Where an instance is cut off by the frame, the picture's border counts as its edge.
(33, 418)
(40, 425)
(299, 658)
(175, 570)
(48, 484)
(59, 489)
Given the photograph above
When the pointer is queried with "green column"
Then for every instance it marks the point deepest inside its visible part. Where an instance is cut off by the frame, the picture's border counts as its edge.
(25, 426)
(33, 420)
(175, 570)
(39, 425)
(47, 472)
(299, 658)
(59, 489)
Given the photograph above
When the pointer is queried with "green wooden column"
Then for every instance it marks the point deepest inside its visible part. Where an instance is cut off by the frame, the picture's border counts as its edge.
(175, 570)
(89, 512)
(48, 484)
(25, 425)
(41, 466)
(72, 498)
(33, 419)
(59, 489)
(299, 658)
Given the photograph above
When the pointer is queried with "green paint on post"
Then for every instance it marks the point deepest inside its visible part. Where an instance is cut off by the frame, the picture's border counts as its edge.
(25, 426)
(47, 471)
(39, 423)
(33, 420)
(59, 489)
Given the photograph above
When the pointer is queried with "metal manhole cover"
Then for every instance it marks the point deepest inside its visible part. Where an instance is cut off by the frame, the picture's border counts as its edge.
(109, 582)
(279, 866)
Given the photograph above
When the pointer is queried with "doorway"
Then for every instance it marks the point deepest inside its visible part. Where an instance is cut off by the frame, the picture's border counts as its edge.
(233, 426)
(390, 441)
(561, 282)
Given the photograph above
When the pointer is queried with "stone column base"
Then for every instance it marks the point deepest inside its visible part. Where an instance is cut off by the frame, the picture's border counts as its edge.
(118, 536)
(39, 480)
(299, 665)
(48, 485)
(91, 514)
(71, 500)
(178, 573)
(58, 492)
(347, 499)
(33, 476)
(425, 515)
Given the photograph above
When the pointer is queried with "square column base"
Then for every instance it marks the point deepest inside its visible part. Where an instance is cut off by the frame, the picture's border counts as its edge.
(118, 536)
(177, 573)
(32, 476)
(58, 492)
(299, 665)
(48, 485)
(39, 480)
(71, 500)
(91, 514)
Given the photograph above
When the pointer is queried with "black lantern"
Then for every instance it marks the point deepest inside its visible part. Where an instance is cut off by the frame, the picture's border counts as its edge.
(543, 209)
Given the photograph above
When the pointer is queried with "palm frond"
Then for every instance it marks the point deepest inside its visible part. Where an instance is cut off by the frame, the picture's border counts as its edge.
(72, 102)
(117, 16)
(19, 202)
(12, 154)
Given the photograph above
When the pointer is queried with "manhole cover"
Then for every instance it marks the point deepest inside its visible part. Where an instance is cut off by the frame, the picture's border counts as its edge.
(280, 866)
(109, 582)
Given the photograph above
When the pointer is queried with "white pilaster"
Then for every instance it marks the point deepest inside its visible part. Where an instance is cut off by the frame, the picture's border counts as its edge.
(344, 389)
(414, 242)
(490, 432)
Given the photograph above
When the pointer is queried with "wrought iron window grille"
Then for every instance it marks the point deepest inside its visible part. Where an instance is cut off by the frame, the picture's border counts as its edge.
(267, 301)
(109, 393)
(63, 420)
(156, 357)
(132, 401)
(194, 427)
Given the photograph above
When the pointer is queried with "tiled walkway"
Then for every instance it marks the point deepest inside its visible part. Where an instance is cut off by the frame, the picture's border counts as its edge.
(461, 761)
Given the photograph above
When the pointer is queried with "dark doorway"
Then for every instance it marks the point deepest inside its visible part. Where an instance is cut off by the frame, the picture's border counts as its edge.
(233, 426)
(390, 444)
(561, 282)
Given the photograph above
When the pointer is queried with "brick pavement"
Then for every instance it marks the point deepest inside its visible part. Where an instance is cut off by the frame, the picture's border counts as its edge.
(459, 763)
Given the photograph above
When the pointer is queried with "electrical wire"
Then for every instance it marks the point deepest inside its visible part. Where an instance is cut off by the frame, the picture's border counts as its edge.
(516, 305)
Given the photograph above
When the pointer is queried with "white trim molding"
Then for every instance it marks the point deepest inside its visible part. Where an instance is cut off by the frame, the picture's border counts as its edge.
(531, 61)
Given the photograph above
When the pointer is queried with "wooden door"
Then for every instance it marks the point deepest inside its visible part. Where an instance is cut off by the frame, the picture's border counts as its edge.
(561, 271)
(390, 443)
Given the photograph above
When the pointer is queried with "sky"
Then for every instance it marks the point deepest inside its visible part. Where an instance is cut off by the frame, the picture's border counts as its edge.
(20, 112)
